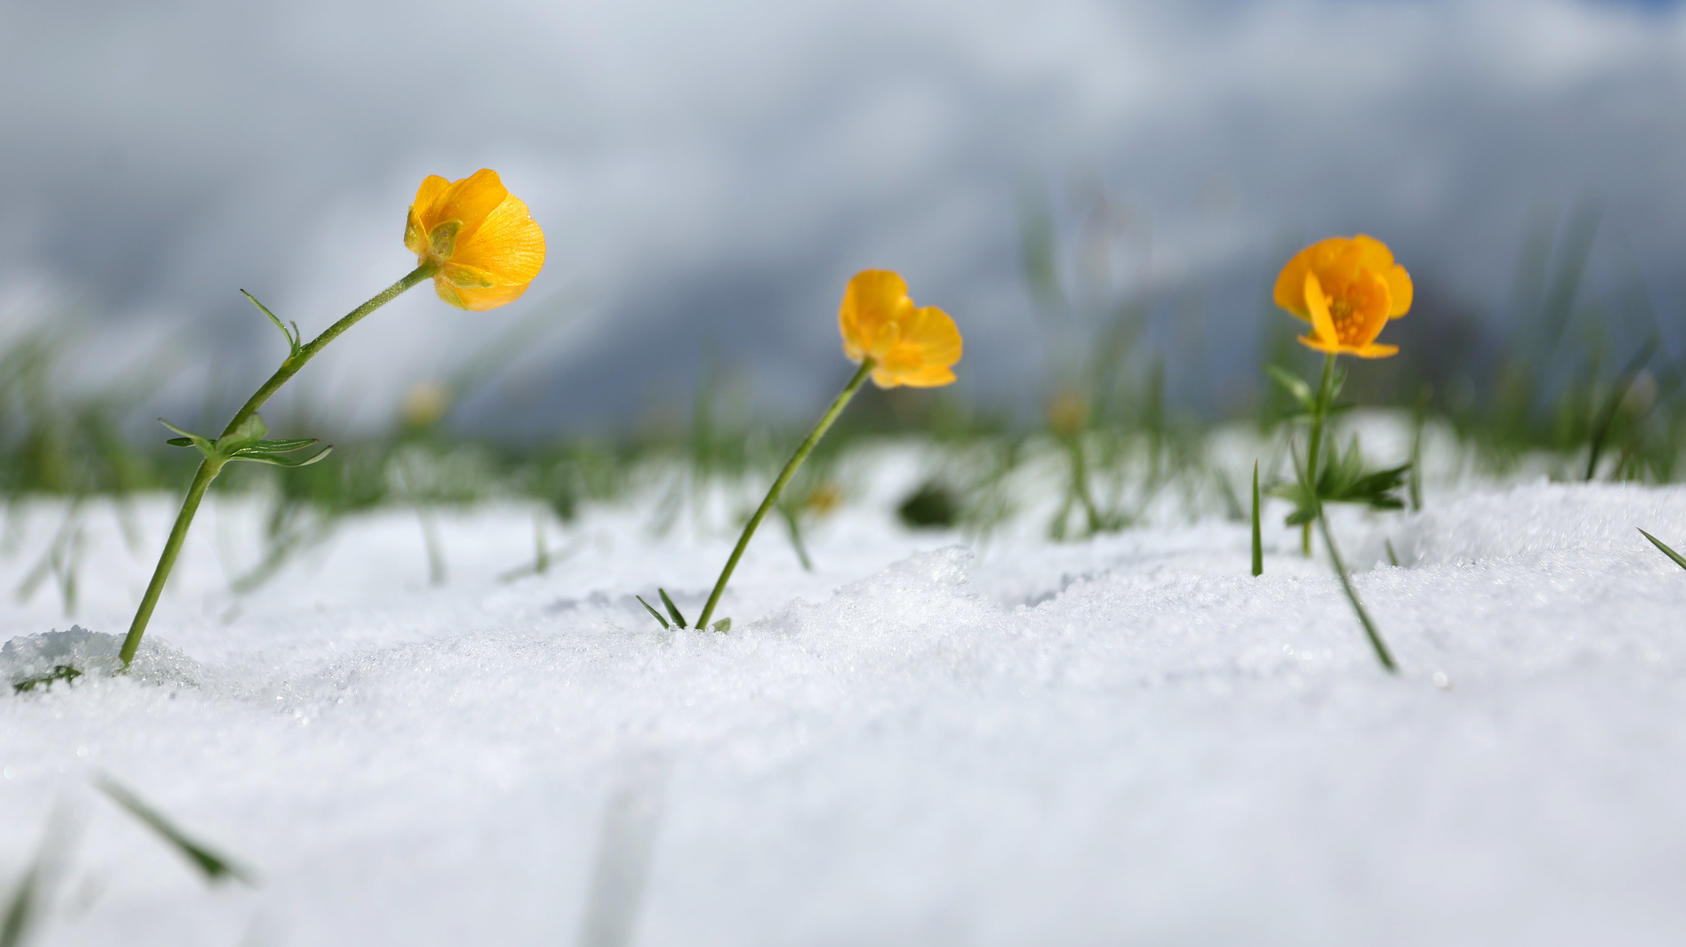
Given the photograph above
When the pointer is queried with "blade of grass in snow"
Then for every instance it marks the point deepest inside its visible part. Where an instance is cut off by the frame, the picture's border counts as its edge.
(653, 613)
(1258, 536)
(21, 907)
(672, 609)
(1607, 417)
(626, 841)
(213, 866)
(1678, 559)
(1414, 481)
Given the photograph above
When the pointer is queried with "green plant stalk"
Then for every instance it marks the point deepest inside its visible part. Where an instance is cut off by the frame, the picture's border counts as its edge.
(1325, 390)
(208, 468)
(1370, 631)
(796, 459)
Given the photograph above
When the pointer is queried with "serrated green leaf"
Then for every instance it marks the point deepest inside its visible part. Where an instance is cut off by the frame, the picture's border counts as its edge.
(653, 613)
(214, 866)
(672, 609)
(1293, 384)
(724, 624)
(1678, 559)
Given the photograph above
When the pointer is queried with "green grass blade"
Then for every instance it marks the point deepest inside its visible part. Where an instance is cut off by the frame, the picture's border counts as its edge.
(1258, 536)
(20, 910)
(672, 609)
(1678, 559)
(213, 866)
(653, 613)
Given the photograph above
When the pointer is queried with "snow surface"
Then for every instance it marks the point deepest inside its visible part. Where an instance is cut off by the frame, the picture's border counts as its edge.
(925, 741)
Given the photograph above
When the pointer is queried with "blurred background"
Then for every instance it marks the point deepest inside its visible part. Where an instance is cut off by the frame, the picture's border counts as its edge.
(1070, 179)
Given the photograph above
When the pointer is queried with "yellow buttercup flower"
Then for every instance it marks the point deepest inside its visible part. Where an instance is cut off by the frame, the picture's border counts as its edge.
(908, 345)
(487, 247)
(1347, 288)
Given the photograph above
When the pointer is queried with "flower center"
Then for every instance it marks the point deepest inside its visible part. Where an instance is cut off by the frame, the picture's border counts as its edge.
(1346, 321)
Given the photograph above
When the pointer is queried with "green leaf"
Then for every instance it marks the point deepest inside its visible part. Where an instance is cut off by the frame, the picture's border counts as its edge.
(672, 609)
(190, 439)
(653, 613)
(214, 866)
(60, 672)
(280, 446)
(1293, 384)
(250, 432)
(292, 334)
(280, 460)
(1392, 557)
(1678, 559)
(724, 624)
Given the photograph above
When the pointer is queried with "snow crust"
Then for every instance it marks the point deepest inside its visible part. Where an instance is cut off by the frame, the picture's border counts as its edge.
(927, 740)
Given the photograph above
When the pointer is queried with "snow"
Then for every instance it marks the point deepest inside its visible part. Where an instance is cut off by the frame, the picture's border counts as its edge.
(931, 739)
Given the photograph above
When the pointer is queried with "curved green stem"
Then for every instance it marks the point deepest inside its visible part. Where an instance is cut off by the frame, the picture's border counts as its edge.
(1325, 391)
(209, 468)
(789, 471)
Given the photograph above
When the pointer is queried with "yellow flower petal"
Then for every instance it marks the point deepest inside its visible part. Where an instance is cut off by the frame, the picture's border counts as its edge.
(508, 244)
(478, 300)
(874, 302)
(1399, 292)
(1376, 351)
(1321, 322)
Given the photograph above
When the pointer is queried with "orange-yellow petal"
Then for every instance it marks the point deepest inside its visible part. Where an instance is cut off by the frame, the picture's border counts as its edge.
(1375, 351)
(470, 200)
(507, 244)
(1321, 322)
(935, 334)
(478, 300)
(1399, 291)
(874, 303)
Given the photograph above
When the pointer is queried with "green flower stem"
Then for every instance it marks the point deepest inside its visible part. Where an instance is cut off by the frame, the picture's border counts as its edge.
(1325, 391)
(1322, 520)
(209, 468)
(789, 471)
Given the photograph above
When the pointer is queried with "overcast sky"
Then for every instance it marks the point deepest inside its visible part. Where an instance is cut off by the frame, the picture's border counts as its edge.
(709, 175)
